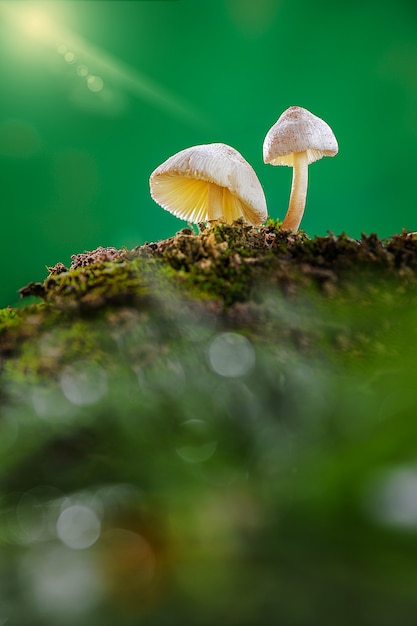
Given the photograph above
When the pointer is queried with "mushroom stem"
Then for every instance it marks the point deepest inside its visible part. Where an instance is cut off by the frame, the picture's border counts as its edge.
(298, 192)
(214, 203)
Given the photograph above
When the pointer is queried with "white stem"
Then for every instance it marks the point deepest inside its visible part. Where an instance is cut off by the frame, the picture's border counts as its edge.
(298, 192)
(214, 202)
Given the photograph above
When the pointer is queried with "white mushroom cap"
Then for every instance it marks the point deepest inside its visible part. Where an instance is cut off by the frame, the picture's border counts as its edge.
(209, 182)
(298, 130)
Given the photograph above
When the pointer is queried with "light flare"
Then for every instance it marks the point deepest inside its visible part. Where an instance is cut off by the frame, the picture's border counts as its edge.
(37, 22)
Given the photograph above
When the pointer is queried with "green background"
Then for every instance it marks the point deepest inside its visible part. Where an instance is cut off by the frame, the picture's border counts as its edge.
(96, 94)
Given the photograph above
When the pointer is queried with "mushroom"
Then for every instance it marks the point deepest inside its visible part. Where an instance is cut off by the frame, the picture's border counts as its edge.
(208, 183)
(297, 139)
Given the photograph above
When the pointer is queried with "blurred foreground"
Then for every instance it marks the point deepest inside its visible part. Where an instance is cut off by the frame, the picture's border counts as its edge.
(167, 463)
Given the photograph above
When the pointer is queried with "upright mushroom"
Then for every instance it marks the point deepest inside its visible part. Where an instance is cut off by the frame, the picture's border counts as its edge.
(208, 183)
(297, 139)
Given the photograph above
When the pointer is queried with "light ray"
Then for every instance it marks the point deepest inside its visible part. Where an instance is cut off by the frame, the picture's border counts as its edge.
(36, 23)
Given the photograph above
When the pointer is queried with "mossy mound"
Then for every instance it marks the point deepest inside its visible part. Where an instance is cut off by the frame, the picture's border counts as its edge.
(227, 262)
(208, 429)
(234, 274)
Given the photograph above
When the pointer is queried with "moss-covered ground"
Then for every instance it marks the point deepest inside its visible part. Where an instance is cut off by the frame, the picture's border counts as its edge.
(218, 428)
(233, 274)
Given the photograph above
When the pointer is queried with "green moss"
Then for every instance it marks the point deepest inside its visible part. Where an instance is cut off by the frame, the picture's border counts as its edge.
(9, 318)
(115, 394)
(233, 272)
(96, 285)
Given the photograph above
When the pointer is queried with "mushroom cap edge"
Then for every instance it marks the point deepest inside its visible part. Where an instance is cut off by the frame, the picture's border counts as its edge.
(215, 163)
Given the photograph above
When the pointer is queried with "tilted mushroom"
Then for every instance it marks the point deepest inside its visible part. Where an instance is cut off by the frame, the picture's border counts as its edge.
(208, 183)
(297, 139)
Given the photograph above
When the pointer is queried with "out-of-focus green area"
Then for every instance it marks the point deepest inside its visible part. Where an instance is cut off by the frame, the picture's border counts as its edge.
(94, 95)
(175, 470)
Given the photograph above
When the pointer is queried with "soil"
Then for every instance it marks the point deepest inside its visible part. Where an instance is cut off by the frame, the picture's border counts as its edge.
(232, 274)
